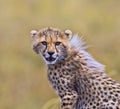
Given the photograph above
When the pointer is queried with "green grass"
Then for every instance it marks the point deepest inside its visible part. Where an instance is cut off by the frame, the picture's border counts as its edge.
(51, 104)
(23, 80)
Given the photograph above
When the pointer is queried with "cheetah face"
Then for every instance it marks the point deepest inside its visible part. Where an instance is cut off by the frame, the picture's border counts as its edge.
(52, 51)
(51, 43)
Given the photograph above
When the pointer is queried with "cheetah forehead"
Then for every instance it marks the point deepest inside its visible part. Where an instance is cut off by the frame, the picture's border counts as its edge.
(55, 33)
(49, 31)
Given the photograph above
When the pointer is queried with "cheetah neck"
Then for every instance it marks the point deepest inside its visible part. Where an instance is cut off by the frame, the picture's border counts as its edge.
(77, 59)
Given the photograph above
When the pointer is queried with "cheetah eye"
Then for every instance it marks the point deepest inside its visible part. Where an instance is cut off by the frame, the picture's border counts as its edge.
(57, 43)
(44, 42)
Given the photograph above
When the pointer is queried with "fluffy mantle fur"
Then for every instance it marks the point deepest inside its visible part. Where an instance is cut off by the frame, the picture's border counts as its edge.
(80, 46)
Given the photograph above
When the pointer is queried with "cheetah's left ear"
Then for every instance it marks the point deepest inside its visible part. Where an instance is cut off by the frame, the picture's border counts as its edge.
(68, 34)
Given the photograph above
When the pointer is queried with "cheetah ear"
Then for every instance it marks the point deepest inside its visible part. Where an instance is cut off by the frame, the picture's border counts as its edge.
(33, 34)
(68, 34)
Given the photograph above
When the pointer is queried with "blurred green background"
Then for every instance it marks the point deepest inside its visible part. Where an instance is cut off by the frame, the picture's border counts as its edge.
(23, 80)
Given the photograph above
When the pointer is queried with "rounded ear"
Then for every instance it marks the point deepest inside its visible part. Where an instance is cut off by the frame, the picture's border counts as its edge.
(33, 33)
(68, 34)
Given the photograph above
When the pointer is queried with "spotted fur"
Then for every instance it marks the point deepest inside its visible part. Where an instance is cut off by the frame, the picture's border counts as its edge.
(78, 79)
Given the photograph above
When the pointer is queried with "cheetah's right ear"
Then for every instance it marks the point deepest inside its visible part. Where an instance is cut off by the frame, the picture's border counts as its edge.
(33, 34)
(68, 34)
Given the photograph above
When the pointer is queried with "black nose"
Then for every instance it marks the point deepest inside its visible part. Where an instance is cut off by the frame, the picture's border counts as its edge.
(50, 53)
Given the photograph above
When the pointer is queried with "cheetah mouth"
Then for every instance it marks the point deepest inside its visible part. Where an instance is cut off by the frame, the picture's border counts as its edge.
(50, 59)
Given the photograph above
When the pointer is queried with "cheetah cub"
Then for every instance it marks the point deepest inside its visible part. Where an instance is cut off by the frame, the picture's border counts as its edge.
(78, 79)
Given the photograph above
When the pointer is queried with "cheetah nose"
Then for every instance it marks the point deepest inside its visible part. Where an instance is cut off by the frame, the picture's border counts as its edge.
(51, 53)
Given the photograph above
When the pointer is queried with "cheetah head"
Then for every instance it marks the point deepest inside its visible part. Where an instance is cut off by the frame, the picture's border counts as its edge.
(51, 43)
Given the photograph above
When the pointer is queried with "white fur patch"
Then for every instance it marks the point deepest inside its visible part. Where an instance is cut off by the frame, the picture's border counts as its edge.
(79, 44)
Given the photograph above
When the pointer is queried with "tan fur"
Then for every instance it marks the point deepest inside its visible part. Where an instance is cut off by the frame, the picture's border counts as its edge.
(78, 79)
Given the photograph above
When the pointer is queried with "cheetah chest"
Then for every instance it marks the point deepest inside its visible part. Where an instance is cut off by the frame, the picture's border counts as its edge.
(62, 79)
